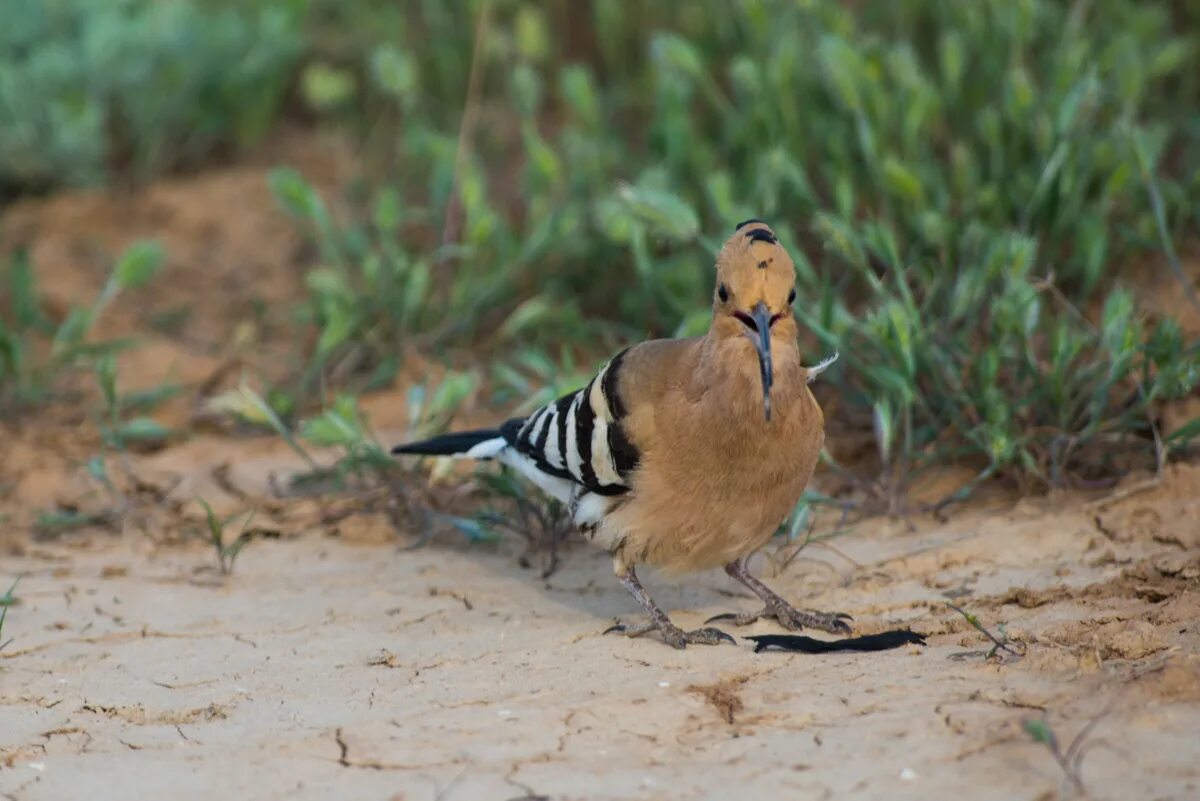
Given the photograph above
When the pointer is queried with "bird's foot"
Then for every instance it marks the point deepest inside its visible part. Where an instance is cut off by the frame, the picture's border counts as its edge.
(672, 635)
(791, 618)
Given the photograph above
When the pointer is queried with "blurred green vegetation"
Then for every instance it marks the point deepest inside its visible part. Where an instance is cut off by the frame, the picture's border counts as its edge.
(37, 354)
(93, 91)
(961, 185)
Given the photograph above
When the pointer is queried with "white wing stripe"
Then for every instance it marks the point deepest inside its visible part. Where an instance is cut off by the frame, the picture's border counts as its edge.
(574, 461)
(602, 461)
(551, 450)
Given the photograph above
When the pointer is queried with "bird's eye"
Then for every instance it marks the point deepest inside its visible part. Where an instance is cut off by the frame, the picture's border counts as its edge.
(792, 296)
(723, 293)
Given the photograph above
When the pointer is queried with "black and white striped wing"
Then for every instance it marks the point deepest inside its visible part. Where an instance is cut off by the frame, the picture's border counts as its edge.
(577, 444)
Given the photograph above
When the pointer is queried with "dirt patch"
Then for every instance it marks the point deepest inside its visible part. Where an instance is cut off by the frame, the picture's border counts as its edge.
(140, 716)
(1161, 293)
(1114, 639)
(1163, 576)
(1175, 680)
(724, 696)
(1168, 512)
(230, 250)
(351, 665)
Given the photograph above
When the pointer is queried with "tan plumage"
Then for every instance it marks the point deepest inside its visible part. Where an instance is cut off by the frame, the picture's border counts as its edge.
(685, 454)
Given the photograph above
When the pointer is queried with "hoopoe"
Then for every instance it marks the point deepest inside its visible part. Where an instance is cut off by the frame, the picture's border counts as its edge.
(684, 454)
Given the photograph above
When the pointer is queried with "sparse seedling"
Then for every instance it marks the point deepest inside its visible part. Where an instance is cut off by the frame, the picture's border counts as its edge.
(118, 431)
(542, 522)
(1071, 760)
(7, 600)
(364, 470)
(227, 552)
(52, 524)
(37, 356)
(799, 530)
(1001, 643)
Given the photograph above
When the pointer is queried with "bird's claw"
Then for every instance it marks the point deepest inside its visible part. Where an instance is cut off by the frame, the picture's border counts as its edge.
(791, 618)
(673, 635)
(707, 636)
(795, 619)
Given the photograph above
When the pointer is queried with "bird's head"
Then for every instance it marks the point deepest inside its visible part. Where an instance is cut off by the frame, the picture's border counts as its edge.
(755, 289)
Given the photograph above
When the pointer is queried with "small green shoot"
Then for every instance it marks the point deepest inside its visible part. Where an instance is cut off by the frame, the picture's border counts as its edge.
(7, 600)
(804, 520)
(1071, 760)
(227, 552)
(36, 357)
(1001, 643)
(53, 524)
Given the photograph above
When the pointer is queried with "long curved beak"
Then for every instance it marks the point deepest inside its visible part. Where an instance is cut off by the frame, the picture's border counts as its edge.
(761, 316)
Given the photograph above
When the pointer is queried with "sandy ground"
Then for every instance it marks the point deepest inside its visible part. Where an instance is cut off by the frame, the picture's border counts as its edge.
(334, 662)
(324, 666)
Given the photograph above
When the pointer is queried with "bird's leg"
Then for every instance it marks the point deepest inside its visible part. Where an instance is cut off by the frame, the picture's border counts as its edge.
(671, 634)
(788, 616)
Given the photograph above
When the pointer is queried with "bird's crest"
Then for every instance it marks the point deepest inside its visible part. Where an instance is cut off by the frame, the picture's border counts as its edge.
(754, 245)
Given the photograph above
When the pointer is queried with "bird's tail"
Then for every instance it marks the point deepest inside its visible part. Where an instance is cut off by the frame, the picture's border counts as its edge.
(482, 443)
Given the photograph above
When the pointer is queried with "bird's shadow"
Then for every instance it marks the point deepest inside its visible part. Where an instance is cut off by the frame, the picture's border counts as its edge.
(583, 581)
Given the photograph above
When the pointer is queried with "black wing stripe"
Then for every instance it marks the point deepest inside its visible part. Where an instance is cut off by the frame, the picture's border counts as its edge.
(539, 444)
(585, 424)
(562, 405)
(608, 387)
(625, 455)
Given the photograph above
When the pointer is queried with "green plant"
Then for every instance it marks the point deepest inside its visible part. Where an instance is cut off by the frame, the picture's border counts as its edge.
(36, 354)
(342, 426)
(532, 379)
(227, 552)
(7, 600)
(1001, 643)
(1070, 760)
(92, 90)
(362, 460)
(369, 293)
(958, 183)
(116, 430)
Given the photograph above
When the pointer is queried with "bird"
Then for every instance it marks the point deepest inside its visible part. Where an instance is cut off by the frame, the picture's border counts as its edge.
(684, 454)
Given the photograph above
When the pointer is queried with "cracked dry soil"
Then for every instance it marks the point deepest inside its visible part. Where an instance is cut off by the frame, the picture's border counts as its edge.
(326, 668)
